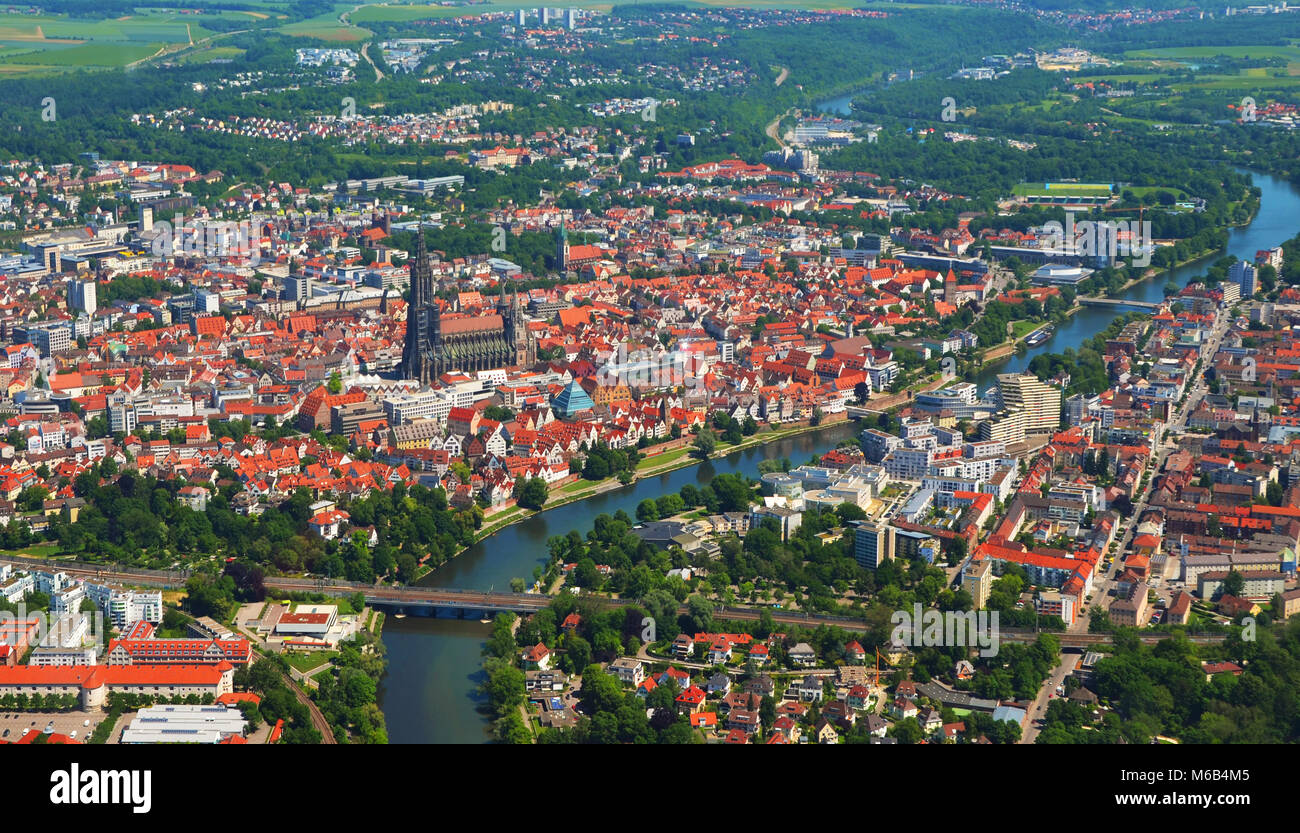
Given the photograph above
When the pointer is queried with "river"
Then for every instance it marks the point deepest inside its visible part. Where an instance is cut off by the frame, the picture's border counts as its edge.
(429, 694)
(1276, 222)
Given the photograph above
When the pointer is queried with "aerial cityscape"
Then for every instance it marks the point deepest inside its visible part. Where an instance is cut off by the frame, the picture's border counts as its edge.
(823, 372)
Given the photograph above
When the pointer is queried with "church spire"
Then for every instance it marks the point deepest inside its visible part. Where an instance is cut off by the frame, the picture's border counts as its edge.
(562, 247)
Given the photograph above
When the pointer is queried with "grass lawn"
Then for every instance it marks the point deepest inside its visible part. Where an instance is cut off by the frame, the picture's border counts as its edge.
(304, 662)
(1024, 328)
(666, 457)
(1142, 190)
(344, 605)
(35, 551)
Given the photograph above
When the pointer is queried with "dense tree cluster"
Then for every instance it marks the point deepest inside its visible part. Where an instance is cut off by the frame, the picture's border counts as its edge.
(135, 519)
(265, 677)
(347, 692)
(1163, 690)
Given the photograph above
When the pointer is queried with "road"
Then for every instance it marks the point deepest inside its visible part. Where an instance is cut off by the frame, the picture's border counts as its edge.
(773, 128)
(1101, 590)
(1173, 430)
(530, 602)
(1039, 707)
(176, 50)
(379, 76)
(645, 656)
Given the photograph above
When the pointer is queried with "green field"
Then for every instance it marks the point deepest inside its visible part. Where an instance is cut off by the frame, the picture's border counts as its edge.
(1245, 80)
(34, 44)
(1084, 189)
(1202, 53)
(329, 27)
(1020, 329)
(1141, 191)
(304, 662)
(203, 56)
(89, 55)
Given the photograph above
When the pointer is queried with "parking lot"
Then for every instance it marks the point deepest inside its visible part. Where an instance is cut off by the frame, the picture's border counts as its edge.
(13, 723)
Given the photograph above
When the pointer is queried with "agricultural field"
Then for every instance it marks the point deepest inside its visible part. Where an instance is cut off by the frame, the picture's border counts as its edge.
(1192, 54)
(329, 27)
(36, 44)
(1279, 67)
(214, 53)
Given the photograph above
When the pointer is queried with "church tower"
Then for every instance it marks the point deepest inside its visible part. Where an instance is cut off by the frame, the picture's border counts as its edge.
(562, 248)
(515, 327)
(421, 321)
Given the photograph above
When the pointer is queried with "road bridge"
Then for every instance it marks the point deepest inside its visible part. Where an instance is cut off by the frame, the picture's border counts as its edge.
(1116, 302)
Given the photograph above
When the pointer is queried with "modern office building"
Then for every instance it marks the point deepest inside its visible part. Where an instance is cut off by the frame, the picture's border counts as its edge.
(297, 288)
(873, 544)
(48, 337)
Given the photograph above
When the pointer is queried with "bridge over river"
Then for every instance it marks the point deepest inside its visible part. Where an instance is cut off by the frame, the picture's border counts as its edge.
(433, 599)
(1088, 301)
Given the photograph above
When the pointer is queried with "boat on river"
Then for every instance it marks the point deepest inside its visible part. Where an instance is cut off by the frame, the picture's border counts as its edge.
(1039, 336)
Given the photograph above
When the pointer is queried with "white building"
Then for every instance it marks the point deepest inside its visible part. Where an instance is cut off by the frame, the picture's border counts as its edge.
(184, 724)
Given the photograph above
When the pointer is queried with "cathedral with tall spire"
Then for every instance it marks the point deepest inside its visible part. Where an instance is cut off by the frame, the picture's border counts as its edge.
(435, 345)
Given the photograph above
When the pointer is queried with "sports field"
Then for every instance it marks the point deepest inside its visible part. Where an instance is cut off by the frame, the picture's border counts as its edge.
(1078, 189)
